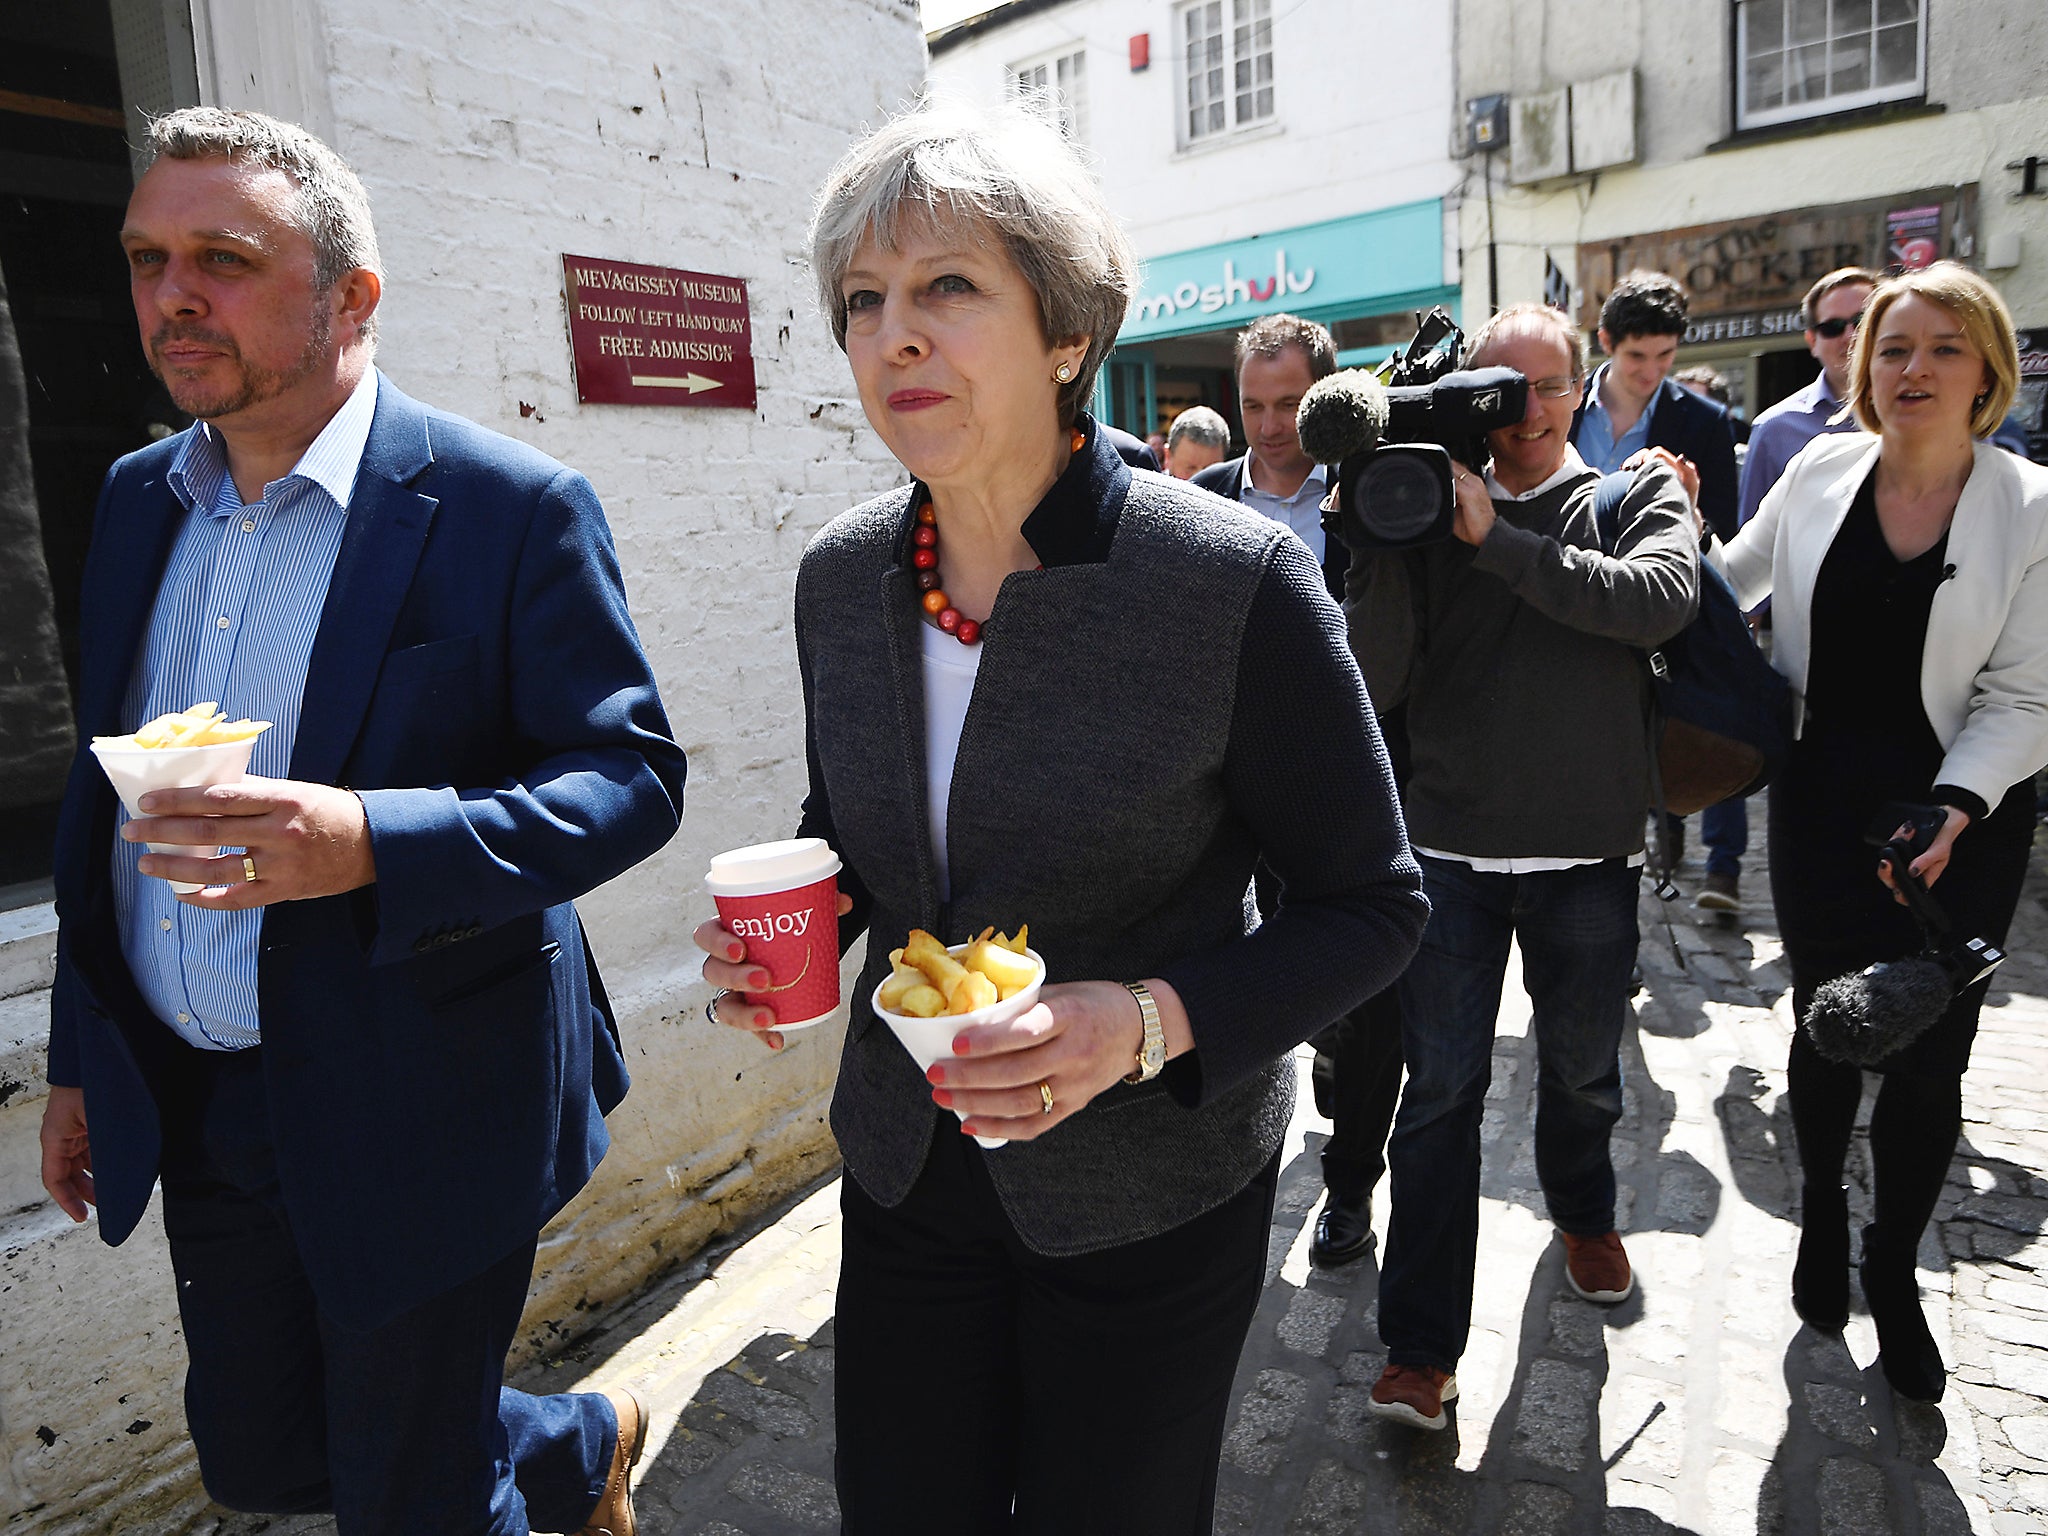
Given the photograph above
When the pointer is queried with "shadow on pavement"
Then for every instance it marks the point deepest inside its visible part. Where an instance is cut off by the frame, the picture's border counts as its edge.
(752, 1453)
(1854, 1457)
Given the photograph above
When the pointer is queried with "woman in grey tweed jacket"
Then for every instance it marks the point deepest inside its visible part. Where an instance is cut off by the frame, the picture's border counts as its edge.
(1126, 693)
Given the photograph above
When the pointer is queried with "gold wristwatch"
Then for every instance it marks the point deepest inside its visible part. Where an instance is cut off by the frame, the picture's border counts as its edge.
(1152, 1049)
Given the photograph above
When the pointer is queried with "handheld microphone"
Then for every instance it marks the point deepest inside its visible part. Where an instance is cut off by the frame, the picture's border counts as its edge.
(1882, 1009)
(1862, 1019)
(1341, 415)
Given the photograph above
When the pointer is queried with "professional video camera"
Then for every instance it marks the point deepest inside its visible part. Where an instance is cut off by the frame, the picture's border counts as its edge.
(1394, 440)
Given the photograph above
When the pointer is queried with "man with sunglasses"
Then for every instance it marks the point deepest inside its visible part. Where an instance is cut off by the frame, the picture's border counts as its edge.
(1830, 311)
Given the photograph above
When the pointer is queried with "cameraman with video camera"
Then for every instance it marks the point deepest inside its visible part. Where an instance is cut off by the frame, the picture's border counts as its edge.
(1514, 644)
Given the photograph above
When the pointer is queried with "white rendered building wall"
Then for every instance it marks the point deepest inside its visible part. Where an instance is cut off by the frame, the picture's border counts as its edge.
(1362, 115)
(494, 140)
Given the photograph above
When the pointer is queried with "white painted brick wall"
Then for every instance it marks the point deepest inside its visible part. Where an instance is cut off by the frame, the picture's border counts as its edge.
(494, 139)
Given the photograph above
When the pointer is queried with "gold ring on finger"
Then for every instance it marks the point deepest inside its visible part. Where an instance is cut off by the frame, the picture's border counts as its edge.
(248, 869)
(1045, 1097)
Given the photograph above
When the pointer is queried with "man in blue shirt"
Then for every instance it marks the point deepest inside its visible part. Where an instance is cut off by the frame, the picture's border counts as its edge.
(1830, 311)
(1357, 1079)
(365, 1050)
(1633, 403)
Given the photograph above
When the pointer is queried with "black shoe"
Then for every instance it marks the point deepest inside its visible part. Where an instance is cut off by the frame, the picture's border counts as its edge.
(1820, 1277)
(1343, 1232)
(1905, 1348)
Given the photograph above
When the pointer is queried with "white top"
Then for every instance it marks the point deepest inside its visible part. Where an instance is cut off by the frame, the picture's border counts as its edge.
(949, 672)
(1984, 668)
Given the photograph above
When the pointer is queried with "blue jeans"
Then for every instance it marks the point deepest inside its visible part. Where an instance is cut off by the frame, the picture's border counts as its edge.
(1724, 828)
(1577, 931)
(1724, 831)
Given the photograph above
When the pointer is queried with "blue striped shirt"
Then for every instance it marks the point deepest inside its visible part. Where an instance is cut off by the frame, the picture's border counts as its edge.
(234, 622)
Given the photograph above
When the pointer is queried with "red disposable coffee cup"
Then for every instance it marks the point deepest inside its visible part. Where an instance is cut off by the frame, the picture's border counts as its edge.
(782, 901)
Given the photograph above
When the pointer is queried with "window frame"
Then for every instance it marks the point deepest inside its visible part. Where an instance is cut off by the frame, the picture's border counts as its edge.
(1228, 27)
(1070, 106)
(1839, 103)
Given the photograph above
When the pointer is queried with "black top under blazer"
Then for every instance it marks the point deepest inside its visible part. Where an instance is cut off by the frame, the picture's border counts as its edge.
(1169, 698)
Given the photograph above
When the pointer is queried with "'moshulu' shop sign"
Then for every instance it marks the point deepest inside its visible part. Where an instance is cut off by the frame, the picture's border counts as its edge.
(1341, 266)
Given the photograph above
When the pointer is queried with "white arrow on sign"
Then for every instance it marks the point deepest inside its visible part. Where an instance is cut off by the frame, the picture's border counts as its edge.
(695, 383)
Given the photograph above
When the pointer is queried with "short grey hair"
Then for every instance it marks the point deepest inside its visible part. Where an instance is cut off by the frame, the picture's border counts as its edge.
(332, 209)
(1200, 426)
(998, 173)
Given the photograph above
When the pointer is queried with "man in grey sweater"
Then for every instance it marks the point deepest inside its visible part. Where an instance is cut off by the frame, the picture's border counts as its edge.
(1515, 646)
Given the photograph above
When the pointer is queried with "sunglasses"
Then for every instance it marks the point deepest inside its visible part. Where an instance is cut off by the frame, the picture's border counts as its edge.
(1834, 328)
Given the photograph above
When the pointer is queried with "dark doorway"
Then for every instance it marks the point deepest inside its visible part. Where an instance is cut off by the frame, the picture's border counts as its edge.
(1778, 374)
(74, 392)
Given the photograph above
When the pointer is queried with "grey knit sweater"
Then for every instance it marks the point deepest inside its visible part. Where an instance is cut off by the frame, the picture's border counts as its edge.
(1116, 782)
(1527, 702)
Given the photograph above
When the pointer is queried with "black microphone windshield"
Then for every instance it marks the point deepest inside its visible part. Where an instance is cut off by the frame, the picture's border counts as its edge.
(1864, 1018)
(1342, 415)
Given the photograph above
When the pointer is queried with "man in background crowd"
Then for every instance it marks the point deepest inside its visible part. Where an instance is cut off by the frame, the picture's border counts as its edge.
(1278, 358)
(1197, 439)
(1358, 1060)
(1633, 404)
(1831, 309)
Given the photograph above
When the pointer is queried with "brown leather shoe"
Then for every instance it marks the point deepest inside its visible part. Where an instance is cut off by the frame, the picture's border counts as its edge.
(1414, 1395)
(614, 1513)
(1597, 1267)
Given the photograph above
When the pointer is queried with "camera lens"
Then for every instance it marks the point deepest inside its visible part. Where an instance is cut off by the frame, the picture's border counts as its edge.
(1399, 497)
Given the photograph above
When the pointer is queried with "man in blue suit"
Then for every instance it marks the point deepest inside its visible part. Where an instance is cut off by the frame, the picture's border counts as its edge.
(372, 1056)
(1631, 404)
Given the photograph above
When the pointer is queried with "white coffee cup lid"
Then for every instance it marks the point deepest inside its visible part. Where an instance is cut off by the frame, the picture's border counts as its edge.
(766, 867)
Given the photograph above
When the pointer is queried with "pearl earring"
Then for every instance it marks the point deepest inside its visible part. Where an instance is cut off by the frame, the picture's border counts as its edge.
(1064, 374)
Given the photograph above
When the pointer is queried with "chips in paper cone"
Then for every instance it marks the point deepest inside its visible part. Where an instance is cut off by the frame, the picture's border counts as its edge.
(187, 750)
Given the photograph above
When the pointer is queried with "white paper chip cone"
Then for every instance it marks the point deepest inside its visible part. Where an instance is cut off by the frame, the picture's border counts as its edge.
(135, 771)
(931, 1040)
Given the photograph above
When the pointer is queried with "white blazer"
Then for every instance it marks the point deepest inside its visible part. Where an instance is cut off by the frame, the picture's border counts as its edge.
(1984, 671)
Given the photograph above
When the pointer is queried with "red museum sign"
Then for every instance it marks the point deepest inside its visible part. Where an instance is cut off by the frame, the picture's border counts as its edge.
(657, 336)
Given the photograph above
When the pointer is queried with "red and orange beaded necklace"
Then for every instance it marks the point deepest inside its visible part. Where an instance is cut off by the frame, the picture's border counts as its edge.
(924, 561)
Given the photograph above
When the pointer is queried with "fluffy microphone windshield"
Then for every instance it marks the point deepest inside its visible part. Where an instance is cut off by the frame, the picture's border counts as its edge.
(1862, 1019)
(1342, 415)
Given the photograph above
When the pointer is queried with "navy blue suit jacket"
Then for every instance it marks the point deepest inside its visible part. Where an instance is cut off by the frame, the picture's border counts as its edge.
(1699, 429)
(438, 1050)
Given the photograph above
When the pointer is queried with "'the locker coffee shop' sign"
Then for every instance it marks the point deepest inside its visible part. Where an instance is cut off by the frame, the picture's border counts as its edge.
(657, 336)
(1747, 276)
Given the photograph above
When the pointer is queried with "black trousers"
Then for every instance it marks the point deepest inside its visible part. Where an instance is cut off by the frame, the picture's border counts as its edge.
(983, 1388)
(397, 1430)
(1357, 1087)
(1837, 917)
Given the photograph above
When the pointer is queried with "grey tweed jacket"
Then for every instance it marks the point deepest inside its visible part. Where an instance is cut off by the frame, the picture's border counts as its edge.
(1089, 799)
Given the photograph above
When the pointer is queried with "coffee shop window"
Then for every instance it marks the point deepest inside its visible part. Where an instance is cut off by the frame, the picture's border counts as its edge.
(75, 394)
(1811, 58)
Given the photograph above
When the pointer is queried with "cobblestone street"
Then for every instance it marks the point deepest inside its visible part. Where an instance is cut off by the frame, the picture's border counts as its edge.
(1700, 1405)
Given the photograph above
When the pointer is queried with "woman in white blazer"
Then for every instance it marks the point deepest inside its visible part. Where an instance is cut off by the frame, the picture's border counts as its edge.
(1907, 567)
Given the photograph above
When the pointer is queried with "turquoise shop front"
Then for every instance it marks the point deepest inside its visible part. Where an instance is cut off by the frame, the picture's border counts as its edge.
(1364, 276)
